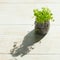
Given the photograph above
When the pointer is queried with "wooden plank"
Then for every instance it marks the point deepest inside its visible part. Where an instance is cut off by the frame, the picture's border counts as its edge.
(29, 1)
(17, 24)
(10, 34)
(30, 57)
(23, 13)
(19, 33)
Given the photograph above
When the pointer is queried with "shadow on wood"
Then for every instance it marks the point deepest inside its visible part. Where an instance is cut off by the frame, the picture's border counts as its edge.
(29, 40)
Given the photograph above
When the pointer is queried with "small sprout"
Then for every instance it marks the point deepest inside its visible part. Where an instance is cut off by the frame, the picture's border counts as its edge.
(43, 15)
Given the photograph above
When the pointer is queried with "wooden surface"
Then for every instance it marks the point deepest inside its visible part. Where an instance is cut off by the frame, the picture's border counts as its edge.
(17, 25)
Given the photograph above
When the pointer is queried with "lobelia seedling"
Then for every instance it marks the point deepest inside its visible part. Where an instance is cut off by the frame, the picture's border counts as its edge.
(43, 15)
(42, 18)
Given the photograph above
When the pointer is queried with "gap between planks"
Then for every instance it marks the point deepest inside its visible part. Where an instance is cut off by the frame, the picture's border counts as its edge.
(29, 2)
(35, 53)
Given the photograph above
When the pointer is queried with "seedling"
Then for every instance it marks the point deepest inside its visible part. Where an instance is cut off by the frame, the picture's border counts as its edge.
(43, 15)
(42, 18)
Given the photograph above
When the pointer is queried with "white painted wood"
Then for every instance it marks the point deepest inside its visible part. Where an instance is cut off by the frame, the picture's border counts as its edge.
(31, 57)
(23, 13)
(16, 22)
(10, 34)
(31, 1)
(15, 33)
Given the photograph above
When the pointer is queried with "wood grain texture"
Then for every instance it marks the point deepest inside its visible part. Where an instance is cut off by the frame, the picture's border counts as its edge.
(16, 23)
(30, 1)
(49, 47)
(23, 13)
(15, 33)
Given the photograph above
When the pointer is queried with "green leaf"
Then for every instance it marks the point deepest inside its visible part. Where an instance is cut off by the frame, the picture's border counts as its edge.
(43, 15)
